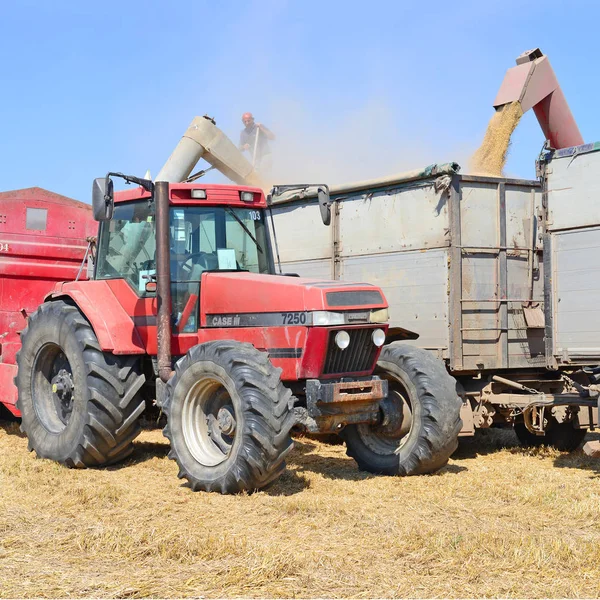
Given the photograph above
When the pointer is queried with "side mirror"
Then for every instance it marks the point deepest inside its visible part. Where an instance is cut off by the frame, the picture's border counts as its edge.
(324, 204)
(102, 199)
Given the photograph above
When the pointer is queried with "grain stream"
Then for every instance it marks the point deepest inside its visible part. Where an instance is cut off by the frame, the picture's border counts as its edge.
(490, 157)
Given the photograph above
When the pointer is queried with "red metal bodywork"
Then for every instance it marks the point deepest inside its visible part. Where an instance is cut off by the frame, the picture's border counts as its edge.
(180, 193)
(126, 324)
(32, 261)
(42, 265)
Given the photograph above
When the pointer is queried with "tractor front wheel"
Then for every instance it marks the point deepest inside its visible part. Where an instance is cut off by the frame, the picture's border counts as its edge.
(420, 420)
(228, 418)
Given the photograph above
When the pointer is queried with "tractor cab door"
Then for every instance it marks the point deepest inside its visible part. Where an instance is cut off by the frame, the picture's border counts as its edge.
(127, 262)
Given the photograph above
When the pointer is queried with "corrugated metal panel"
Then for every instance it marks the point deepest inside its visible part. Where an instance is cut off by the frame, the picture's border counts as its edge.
(393, 220)
(416, 287)
(576, 270)
(574, 191)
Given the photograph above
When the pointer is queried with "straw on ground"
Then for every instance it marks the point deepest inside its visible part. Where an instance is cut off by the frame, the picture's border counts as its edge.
(497, 521)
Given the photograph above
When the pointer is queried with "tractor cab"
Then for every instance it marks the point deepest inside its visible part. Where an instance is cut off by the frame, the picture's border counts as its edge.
(212, 228)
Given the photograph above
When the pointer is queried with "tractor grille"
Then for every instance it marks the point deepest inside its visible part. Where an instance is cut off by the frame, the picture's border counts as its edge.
(358, 356)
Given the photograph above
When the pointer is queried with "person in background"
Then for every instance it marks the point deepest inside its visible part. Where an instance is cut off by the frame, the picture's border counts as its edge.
(254, 139)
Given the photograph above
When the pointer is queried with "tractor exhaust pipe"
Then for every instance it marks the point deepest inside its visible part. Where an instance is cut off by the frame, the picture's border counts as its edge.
(533, 84)
(203, 139)
(163, 280)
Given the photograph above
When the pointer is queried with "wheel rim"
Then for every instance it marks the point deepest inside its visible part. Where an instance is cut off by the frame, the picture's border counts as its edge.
(53, 388)
(209, 422)
(393, 431)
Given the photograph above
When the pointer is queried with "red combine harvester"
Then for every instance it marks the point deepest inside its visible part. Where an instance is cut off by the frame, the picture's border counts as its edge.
(183, 308)
(43, 241)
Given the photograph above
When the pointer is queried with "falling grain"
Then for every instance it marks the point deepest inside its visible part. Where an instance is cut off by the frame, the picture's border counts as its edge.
(490, 157)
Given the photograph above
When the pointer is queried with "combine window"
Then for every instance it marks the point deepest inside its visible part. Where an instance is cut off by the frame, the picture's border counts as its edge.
(36, 219)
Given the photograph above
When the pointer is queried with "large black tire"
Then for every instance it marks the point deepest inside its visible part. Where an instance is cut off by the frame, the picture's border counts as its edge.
(79, 405)
(421, 416)
(562, 436)
(228, 418)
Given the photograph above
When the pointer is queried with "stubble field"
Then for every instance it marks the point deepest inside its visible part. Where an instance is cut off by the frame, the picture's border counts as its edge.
(497, 521)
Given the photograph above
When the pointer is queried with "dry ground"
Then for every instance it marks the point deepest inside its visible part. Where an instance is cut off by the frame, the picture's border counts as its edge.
(497, 521)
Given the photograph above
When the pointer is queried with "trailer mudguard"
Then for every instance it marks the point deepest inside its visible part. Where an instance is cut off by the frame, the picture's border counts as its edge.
(112, 325)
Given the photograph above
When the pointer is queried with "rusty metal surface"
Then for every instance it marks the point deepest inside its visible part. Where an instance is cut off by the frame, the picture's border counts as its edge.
(455, 274)
(358, 391)
(163, 279)
(331, 406)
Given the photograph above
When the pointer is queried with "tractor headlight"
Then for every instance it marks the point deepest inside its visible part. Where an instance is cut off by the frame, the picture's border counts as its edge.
(378, 337)
(325, 317)
(342, 339)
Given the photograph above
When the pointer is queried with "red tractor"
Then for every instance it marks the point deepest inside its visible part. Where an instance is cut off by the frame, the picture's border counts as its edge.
(183, 307)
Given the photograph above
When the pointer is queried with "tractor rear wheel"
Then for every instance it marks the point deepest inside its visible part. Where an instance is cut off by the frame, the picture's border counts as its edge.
(79, 405)
(420, 416)
(228, 418)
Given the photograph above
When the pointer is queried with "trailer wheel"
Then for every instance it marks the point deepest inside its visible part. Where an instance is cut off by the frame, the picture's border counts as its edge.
(562, 436)
(228, 418)
(420, 416)
(79, 405)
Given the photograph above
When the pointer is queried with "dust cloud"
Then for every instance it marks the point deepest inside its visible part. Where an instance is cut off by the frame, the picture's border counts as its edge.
(490, 157)
(368, 142)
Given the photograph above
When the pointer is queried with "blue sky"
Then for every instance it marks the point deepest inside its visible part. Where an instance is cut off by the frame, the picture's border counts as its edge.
(353, 89)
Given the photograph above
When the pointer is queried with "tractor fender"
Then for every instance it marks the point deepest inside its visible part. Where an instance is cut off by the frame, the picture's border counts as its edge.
(113, 327)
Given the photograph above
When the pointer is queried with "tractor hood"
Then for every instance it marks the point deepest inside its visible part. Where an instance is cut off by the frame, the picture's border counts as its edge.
(247, 299)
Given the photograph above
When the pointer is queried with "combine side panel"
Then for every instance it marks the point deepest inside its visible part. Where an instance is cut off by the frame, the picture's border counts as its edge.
(42, 241)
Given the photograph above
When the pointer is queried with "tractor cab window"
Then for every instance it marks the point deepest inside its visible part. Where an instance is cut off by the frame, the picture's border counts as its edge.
(211, 239)
(127, 245)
